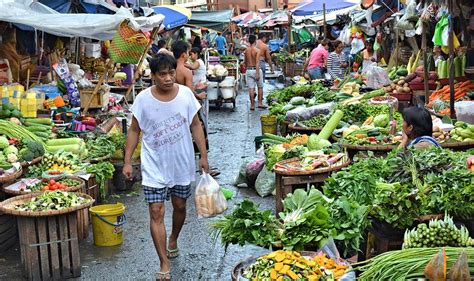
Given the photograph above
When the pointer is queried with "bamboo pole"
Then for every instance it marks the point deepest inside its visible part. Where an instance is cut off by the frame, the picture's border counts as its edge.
(135, 75)
(425, 62)
(325, 28)
(451, 60)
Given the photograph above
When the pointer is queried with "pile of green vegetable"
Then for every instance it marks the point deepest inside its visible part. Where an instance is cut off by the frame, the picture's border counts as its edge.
(41, 127)
(100, 146)
(54, 200)
(404, 186)
(438, 233)
(103, 171)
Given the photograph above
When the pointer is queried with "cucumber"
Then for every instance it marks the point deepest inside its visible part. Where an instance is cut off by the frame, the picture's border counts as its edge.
(44, 121)
(38, 129)
(42, 135)
(27, 123)
(69, 141)
(275, 137)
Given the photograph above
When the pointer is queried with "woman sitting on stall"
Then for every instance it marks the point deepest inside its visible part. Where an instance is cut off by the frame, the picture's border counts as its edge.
(417, 129)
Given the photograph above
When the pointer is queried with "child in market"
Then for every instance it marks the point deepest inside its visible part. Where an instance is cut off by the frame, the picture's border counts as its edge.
(167, 116)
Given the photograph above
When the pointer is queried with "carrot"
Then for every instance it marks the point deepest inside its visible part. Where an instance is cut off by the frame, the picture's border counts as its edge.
(445, 111)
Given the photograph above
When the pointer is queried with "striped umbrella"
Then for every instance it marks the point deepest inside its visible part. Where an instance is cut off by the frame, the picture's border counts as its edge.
(175, 16)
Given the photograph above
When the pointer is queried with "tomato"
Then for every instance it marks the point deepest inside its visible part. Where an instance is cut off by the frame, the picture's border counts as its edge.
(52, 182)
(53, 187)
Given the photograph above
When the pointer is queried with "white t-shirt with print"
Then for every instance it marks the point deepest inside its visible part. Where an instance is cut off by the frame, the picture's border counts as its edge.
(167, 154)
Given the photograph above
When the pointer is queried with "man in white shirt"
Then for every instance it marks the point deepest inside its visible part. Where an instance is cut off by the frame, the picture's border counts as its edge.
(166, 115)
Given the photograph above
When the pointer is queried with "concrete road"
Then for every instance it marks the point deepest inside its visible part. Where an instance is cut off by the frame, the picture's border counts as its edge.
(231, 142)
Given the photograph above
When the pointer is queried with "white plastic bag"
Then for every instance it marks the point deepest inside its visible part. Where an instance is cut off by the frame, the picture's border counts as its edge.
(377, 77)
(208, 197)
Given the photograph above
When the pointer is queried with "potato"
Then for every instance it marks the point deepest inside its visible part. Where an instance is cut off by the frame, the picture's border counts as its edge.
(406, 89)
(399, 89)
(397, 138)
(405, 85)
(436, 129)
(441, 137)
(437, 134)
(389, 89)
(401, 77)
(396, 81)
(401, 82)
(394, 92)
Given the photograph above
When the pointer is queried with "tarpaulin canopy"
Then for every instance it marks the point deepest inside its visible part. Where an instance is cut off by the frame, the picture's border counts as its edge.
(216, 20)
(174, 15)
(99, 27)
(314, 7)
(248, 18)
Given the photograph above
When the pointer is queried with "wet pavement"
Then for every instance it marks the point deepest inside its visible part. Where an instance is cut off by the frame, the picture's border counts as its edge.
(231, 138)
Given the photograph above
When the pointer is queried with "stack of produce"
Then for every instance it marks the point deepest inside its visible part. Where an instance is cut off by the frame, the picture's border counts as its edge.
(438, 233)
(462, 131)
(54, 200)
(41, 127)
(64, 162)
(9, 110)
(398, 72)
(415, 264)
(439, 100)
(290, 265)
(75, 146)
(423, 182)
(398, 86)
(18, 132)
(51, 185)
(303, 146)
(100, 146)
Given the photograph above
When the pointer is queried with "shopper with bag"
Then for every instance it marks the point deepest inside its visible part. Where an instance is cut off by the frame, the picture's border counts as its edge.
(166, 116)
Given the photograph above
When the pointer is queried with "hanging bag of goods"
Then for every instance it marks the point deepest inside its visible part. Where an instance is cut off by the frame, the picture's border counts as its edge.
(128, 44)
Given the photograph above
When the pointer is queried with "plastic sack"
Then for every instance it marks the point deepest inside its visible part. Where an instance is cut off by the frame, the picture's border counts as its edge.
(305, 113)
(435, 270)
(460, 269)
(377, 77)
(357, 45)
(241, 177)
(252, 170)
(208, 197)
(331, 251)
(265, 183)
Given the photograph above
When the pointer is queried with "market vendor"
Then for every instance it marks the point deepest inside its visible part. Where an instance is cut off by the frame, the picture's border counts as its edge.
(417, 129)
(369, 54)
(316, 63)
(337, 63)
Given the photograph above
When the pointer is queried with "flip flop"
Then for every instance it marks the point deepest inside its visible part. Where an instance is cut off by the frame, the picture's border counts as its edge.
(163, 276)
(172, 254)
(262, 106)
(252, 108)
(214, 173)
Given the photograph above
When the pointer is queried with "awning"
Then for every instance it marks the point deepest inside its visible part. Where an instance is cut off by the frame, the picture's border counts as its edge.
(94, 26)
(315, 7)
(174, 16)
(216, 20)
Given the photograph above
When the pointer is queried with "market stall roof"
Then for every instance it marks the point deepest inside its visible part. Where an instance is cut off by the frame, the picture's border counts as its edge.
(315, 7)
(216, 20)
(99, 27)
(80, 6)
(246, 18)
(175, 16)
(332, 16)
(275, 18)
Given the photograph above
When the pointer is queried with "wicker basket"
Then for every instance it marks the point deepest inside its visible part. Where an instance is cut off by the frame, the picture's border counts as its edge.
(8, 206)
(344, 162)
(11, 177)
(97, 160)
(458, 145)
(81, 187)
(368, 147)
(303, 130)
(32, 162)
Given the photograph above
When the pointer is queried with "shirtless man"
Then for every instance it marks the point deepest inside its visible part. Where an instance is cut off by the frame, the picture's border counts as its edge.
(254, 76)
(264, 53)
(184, 76)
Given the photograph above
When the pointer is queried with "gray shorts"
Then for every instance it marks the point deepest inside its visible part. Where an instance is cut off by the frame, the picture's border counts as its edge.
(159, 195)
(252, 79)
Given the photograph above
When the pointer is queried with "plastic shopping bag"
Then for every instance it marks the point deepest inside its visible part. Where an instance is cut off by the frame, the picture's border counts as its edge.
(265, 183)
(208, 197)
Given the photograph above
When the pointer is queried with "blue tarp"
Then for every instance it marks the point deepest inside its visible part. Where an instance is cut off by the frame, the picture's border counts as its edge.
(61, 6)
(314, 7)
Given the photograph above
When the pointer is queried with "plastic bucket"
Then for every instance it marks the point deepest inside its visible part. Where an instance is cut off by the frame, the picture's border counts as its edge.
(269, 124)
(107, 223)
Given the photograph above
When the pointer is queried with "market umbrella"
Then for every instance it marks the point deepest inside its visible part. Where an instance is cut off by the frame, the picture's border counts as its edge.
(246, 18)
(174, 15)
(316, 6)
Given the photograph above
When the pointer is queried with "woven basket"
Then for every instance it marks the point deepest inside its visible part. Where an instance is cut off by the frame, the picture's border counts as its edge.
(11, 177)
(81, 187)
(458, 145)
(8, 206)
(32, 162)
(97, 160)
(303, 130)
(128, 45)
(336, 167)
(368, 147)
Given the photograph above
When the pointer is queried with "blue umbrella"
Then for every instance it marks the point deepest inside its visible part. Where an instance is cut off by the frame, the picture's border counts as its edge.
(316, 7)
(174, 16)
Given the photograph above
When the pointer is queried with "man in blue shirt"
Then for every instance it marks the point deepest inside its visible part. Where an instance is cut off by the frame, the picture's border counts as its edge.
(221, 44)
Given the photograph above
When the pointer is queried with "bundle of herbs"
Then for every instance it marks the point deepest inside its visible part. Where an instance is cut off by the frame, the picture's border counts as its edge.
(303, 223)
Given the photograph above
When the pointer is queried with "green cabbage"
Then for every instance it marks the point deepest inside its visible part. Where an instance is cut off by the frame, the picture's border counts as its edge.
(11, 150)
(381, 120)
(3, 142)
(316, 143)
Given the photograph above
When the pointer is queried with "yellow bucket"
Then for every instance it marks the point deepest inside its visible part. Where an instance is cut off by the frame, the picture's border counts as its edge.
(269, 124)
(107, 224)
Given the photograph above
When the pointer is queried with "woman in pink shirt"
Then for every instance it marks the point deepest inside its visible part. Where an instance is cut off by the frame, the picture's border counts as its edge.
(316, 63)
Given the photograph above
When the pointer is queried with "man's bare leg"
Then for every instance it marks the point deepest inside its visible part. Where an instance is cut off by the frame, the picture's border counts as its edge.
(158, 233)
(260, 98)
(179, 216)
(252, 98)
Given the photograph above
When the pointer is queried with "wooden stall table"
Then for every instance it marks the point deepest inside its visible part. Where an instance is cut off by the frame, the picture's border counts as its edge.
(292, 128)
(458, 145)
(381, 150)
(286, 181)
(49, 243)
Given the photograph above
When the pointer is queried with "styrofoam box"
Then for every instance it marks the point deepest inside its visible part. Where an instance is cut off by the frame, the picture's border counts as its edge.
(92, 50)
(212, 93)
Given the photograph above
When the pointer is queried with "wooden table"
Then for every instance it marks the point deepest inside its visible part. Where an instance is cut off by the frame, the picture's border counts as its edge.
(285, 184)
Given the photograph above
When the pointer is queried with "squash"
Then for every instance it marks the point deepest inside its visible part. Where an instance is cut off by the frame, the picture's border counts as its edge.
(281, 278)
(273, 274)
(292, 275)
(280, 257)
(288, 261)
(368, 121)
(278, 266)
(285, 269)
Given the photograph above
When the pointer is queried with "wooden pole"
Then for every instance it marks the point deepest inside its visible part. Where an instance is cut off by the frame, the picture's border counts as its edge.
(451, 59)
(425, 61)
(28, 79)
(325, 28)
(135, 75)
(290, 36)
(97, 87)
